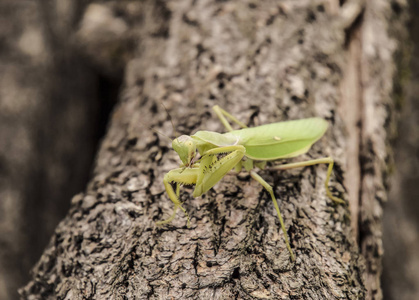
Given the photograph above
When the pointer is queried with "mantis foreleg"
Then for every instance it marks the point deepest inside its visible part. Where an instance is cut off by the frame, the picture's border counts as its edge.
(211, 169)
(259, 179)
(204, 175)
(178, 176)
(325, 160)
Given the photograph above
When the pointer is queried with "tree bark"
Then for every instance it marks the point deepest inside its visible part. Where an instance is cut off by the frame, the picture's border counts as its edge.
(263, 62)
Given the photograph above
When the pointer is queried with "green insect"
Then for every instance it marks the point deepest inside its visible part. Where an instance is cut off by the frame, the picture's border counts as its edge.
(261, 144)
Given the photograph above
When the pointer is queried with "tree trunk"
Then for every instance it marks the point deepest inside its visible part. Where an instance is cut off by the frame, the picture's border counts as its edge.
(263, 62)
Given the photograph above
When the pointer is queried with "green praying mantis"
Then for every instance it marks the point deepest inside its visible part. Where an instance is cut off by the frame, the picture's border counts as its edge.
(220, 153)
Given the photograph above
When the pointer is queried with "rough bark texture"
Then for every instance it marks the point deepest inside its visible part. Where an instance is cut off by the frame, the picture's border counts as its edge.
(382, 59)
(263, 61)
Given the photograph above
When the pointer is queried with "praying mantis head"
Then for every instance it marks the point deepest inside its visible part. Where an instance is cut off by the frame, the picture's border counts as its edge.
(185, 147)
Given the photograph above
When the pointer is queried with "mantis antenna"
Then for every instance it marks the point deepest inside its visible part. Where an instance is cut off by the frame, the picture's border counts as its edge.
(171, 121)
(156, 131)
(170, 118)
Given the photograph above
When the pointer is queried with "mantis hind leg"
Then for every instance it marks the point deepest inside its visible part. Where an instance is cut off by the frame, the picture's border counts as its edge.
(259, 179)
(325, 160)
(222, 114)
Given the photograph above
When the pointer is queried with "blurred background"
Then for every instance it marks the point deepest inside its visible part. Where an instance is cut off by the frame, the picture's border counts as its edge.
(54, 108)
(400, 279)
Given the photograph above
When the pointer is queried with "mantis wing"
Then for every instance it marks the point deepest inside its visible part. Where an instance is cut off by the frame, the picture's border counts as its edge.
(280, 140)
